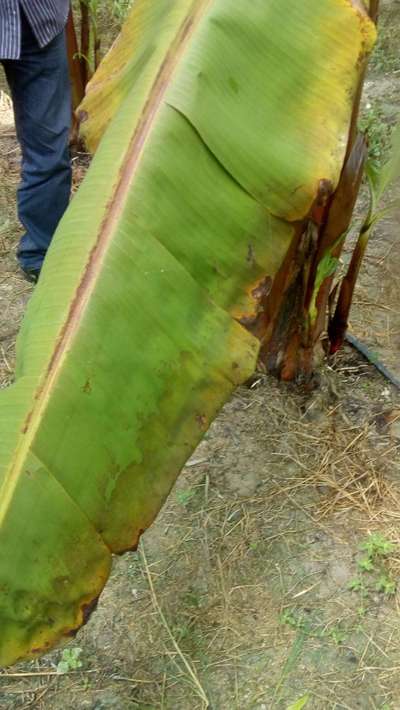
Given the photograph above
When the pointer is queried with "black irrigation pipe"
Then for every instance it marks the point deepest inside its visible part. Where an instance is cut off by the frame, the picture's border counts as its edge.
(361, 348)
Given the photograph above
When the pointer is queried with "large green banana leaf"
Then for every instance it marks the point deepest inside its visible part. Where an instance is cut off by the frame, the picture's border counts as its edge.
(225, 116)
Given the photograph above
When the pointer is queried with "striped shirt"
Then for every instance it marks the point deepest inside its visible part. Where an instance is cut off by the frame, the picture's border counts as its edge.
(46, 18)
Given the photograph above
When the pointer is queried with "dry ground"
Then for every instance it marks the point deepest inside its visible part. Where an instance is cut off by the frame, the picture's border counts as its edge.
(250, 592)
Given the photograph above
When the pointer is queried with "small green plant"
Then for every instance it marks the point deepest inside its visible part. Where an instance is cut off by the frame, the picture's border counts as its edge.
(120, 8)
(365, 564)
(385, 58)
(290, 619)
(183, 497)
(357, 585)
(374, 124)
(337, 634)
(384, 62)
(70, 660)
(377, 546)
(386, 585)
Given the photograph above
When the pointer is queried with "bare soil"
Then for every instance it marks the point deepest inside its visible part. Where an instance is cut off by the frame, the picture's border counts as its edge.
(250, 590)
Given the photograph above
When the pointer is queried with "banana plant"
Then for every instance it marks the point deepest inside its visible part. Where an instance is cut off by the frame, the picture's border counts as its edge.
(222, 135)
(77, 69)
(83, 53)
(379, 181)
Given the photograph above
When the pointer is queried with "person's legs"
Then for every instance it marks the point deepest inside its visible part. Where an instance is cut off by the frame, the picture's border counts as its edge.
(40, 89)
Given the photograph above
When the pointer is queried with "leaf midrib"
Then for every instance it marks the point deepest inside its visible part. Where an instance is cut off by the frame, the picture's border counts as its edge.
(86, 286)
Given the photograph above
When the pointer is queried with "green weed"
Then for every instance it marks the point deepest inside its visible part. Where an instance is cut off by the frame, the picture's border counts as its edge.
(120, 8)
(289, 618)
(375, 576)
(386, 585)
(291, 661)
(377, 546)
(183, 497)
(357, 585)
(366, 564)
(337, 634)
(385, 57)
(70, 660)
(374, 124)
(384, 60)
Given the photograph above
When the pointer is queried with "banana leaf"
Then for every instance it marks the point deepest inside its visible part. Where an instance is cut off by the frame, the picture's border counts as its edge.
(220, 120)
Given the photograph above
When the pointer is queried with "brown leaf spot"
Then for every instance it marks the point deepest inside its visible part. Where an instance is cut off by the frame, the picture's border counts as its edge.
(202, 421)
(88, 609)
(87, 388)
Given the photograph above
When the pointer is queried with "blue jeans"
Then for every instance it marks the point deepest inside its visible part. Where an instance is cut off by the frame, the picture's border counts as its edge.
(40, 90)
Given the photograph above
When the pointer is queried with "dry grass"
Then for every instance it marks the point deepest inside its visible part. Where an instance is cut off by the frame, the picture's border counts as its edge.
(342, 479)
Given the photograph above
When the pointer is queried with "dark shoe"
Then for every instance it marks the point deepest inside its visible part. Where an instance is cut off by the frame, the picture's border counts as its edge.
(31, 275)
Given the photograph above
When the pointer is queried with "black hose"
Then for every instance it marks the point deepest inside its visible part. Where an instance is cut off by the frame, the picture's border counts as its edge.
(361, 348)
